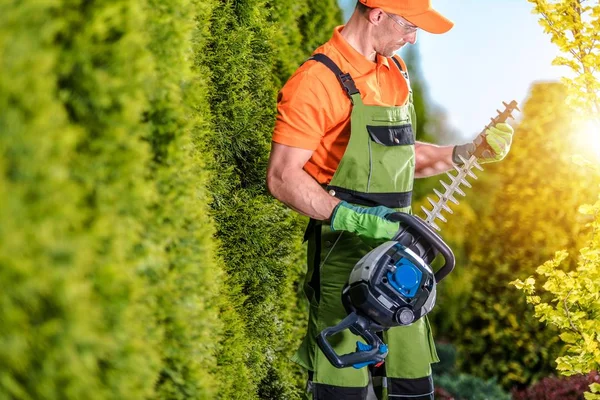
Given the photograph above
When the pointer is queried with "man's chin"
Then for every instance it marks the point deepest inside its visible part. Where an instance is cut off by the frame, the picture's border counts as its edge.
(393, 51)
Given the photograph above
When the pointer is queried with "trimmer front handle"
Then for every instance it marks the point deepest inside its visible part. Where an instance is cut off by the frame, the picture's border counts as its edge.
(432, 239)
(373, 352)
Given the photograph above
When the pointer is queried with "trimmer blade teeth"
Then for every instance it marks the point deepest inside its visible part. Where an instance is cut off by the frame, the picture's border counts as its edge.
(477, 165)
(441, 217)
(471, 174)
(512, 104)
(426, 211)
(432, 202)
(452, 178)
(466, 183)
(464, 160)
(443, 202)
(448, 189)
(459, 191)
(433, 225)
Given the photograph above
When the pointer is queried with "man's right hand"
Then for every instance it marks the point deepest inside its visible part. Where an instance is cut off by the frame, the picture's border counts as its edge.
(368, 222)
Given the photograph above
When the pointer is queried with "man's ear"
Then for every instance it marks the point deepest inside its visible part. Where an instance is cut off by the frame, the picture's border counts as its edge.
(376, 15)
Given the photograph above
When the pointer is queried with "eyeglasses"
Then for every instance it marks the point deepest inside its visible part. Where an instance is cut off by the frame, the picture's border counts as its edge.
(405, 28)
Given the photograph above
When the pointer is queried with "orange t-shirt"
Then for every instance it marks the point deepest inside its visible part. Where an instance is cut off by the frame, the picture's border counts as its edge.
(313, 110)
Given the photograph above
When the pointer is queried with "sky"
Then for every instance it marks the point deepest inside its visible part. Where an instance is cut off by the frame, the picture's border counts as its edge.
(495, 51)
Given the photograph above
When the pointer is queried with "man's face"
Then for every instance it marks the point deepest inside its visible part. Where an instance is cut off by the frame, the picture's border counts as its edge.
(393, 33)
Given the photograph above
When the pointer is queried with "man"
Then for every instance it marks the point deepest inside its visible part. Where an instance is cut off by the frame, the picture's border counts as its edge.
(344, 154)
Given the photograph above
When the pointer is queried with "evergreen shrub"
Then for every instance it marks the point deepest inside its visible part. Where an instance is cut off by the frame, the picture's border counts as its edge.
(468, 387)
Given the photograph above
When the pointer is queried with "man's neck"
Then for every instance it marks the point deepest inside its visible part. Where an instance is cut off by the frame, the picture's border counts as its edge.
(357, 34)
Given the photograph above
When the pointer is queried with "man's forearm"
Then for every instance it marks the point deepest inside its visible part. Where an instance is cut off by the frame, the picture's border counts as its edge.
(299, 191)
(431, 159)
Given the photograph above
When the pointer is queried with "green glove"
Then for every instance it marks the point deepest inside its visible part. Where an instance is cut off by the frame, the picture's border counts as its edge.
(489, 146)
(368, 222)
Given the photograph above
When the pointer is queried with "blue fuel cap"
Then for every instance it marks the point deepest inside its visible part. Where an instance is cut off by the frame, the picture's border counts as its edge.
(406, 278)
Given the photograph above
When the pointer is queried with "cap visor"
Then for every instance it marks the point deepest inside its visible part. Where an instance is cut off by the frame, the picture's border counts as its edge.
(431, 21)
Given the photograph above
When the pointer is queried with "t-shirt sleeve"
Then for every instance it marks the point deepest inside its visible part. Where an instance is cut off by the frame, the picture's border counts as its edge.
(303, 112)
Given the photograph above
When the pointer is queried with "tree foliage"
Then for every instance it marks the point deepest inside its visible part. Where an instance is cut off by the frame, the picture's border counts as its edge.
(526, 214)
(573, 306)
(574, 26)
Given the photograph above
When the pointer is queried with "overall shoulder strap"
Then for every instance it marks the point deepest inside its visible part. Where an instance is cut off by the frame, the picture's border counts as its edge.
(397, 63)
(344, 78)
(402, 71)
(405, 75)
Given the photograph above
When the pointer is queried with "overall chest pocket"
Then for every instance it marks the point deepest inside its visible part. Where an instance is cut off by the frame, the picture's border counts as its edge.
(391, 158)
(397, 135)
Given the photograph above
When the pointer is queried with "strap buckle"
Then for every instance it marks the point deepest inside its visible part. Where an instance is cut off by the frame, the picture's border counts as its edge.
(348, 84)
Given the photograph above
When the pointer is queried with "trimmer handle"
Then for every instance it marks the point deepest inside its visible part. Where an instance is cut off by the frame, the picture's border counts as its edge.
(431, 237)
(483, 150)
(373, 352)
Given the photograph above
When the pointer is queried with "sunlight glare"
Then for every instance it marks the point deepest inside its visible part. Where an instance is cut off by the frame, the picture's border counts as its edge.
(588, 136)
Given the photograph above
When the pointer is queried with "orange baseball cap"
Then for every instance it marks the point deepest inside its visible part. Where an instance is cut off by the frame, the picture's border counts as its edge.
(417, 12)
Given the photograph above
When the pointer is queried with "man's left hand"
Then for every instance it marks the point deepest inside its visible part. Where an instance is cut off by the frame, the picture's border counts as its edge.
(489, 146)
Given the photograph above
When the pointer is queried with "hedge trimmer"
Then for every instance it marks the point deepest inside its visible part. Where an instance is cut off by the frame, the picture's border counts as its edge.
(462, 172)
(394, 284)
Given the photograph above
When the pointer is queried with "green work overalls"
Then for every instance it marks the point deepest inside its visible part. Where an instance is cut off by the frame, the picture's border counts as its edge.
(377, 168)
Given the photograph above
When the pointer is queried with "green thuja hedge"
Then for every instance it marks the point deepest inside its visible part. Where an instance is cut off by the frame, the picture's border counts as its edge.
(74, 322)
(259, 237)
(318, 23)
(117, 119)
(108, 282)
(179, 266)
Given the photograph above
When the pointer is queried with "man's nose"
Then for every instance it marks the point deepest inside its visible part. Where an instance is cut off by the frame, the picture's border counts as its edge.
(412, 38)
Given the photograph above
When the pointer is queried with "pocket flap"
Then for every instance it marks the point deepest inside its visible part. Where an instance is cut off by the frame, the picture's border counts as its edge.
(399, 135)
